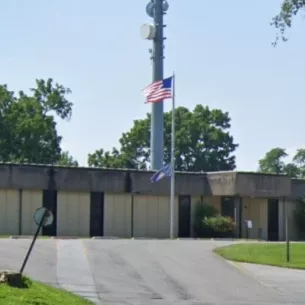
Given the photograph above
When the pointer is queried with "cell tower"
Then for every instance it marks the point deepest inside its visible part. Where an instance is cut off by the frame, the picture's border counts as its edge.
(156, 9)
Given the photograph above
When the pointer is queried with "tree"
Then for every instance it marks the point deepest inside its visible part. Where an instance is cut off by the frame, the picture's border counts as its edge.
(67, 159)
(273, 163)
(299, 160)
(27, 126)
(283, 20)
(203, 142)
(106, 159)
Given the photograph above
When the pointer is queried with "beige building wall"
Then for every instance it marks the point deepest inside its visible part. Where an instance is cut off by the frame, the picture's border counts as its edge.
(152, 216)
(73, 214)
(117, 215)
(9, 212)
(292, 228)
(256, 210)
(31, 201)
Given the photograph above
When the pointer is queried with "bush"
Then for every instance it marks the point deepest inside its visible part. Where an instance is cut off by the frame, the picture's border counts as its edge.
(205, 210)
(202, 211)
(220, 226)
(208, 224)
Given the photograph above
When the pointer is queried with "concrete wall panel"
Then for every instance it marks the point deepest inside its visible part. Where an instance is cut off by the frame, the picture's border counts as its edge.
(31, 201)
(62, 178)
(14, 176)
(73, 214)
(262, 185)
(152, 216)
(256, 210)
(292, 227)
(185, 184)
(9, 212)
(86, 179)
(221, 184)
(297, 188)
(117, 215)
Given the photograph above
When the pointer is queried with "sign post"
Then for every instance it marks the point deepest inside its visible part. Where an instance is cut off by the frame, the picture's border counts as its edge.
(43, 218)
(249, 226)
(287, 230)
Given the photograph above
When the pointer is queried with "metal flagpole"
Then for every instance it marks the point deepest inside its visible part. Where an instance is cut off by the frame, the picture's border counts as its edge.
(172, 192)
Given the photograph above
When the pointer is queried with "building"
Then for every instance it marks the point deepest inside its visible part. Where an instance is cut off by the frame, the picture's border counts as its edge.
(123, 203)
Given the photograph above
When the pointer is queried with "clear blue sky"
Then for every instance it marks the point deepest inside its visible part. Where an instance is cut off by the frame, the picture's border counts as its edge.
(221, 52)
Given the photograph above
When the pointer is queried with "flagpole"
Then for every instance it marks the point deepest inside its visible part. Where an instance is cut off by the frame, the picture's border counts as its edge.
(172, 187)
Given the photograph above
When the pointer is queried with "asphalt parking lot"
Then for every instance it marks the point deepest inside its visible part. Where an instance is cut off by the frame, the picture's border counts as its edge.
(159, 272)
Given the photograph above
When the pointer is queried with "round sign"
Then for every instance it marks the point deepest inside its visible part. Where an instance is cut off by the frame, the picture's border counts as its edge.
(48, 218)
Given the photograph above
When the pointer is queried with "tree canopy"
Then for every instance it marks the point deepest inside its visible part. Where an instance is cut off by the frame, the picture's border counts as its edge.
(28, 131)
(203, 142)
(283, 20)
(66, 159)
(274, 163)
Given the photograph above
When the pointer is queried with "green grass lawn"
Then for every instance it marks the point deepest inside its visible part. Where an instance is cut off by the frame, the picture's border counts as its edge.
(265, 253)
(38, 294)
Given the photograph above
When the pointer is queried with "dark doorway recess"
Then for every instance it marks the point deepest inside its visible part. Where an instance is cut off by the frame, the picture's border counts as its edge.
(49, 201)
(184, 229)
(228, 207)
(238, 216)
(273, 219)
(97, 214)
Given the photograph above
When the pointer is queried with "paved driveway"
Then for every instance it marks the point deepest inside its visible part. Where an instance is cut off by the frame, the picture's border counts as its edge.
(143, 272)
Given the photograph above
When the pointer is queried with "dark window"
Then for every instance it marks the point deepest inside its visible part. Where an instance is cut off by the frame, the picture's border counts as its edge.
(49, 201)
(228, 207)
(184, 216)
(97, 214)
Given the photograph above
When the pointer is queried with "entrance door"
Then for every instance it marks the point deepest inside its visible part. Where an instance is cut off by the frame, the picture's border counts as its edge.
(273, 219)
(184, 216)
(228, 207)
(97, 214)
(49, 201)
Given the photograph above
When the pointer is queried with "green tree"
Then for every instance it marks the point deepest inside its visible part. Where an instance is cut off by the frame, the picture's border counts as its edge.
(299, 160)
(106, 159)
(292, 170)
(67, 159)
(283, 20)
(203, 142)
(27, 126)
(273, 162)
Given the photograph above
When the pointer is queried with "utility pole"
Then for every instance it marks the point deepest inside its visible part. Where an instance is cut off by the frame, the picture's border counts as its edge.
(156, 9)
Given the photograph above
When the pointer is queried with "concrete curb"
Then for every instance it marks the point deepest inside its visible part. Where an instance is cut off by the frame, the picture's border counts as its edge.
(24, 237)
(104, 237)
(65, 237)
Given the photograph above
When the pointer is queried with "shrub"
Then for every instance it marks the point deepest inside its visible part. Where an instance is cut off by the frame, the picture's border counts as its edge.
(220, 226)
(202, 211)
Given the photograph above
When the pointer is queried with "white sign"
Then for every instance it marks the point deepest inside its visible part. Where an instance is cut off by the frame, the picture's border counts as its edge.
(249, 224)
(48, 220)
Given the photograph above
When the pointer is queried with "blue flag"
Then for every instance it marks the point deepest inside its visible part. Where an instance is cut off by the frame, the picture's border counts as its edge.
(165, 171)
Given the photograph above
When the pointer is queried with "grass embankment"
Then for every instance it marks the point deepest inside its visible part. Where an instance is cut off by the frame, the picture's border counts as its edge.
(36, 293)
(273, 254)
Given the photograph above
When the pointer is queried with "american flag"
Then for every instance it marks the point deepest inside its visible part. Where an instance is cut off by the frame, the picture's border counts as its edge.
(158, 91)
